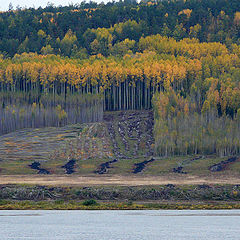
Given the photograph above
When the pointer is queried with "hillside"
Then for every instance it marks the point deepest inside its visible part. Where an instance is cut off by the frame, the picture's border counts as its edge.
(115, 27)
(121, 137)
(123, 88)
(122, 144)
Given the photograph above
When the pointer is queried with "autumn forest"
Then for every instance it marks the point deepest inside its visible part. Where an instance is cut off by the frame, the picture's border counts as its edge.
(65, 65)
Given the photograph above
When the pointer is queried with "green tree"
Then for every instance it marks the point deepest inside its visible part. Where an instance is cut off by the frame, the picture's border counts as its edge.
(68, 42)
(47, 50)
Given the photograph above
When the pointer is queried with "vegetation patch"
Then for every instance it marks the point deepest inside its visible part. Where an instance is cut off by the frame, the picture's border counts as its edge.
(162, 84)
(112, 193)
(90, 202)
(75, 205)
(36, 166)
(140, 166)
(223, 164)
(69, 166)
(179, 169)
(104, 166)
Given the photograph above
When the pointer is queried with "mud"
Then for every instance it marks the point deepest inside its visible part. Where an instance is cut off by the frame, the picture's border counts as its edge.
(36, 166)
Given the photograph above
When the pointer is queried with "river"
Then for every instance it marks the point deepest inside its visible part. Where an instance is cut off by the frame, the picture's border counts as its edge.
(120, 225)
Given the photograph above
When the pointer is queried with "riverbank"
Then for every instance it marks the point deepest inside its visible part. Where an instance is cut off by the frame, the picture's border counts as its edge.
(19, 196)
(129, 205)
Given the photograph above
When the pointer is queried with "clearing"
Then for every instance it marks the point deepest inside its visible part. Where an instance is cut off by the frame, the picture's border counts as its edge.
(118, 150)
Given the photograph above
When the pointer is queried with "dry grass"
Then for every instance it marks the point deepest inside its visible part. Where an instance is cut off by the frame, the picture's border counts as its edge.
(76, 180)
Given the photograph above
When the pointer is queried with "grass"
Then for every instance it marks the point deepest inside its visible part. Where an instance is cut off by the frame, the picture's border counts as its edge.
(88, 166)
(16, 167)
(161, 166)
(94, 205)
(164, 165)
(53, 147)
(234, 168)
(125, 166)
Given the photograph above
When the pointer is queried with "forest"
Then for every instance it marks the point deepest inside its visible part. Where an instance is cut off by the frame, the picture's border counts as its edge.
(96, 28)
(61, 65)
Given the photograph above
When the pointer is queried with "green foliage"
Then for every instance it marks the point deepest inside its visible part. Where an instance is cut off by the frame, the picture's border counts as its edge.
(125, 47)
(181, 130)
(23, 47)
(90, 202)
(98, 27)
(67, 43)
(47, 50)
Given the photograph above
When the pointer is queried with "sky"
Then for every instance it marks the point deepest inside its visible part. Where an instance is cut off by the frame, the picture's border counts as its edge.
(4, 4)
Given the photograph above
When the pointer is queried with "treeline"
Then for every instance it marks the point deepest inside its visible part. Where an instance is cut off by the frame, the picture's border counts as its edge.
(201, 114)
(129, 82)
(112, 28)
(33, 110)
(180, 129)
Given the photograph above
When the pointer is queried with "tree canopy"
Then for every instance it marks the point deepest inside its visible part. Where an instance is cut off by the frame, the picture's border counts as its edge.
(98, 27)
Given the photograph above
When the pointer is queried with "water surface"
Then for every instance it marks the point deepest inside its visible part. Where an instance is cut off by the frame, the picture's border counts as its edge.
(120, 225)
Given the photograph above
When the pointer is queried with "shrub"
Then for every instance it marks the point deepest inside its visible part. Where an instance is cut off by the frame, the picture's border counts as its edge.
(90, 202)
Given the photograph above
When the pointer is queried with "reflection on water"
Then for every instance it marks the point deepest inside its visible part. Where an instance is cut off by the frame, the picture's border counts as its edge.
(120, 225)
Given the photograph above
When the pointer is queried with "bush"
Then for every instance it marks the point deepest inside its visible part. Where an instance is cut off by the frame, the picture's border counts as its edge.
(90, 202)
(59, 201)
(3, 202)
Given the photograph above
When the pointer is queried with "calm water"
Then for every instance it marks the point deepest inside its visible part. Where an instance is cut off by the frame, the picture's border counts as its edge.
(121, 225)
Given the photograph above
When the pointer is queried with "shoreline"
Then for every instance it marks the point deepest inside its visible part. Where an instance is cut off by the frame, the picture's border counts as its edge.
(179, 197)
(76, 205)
